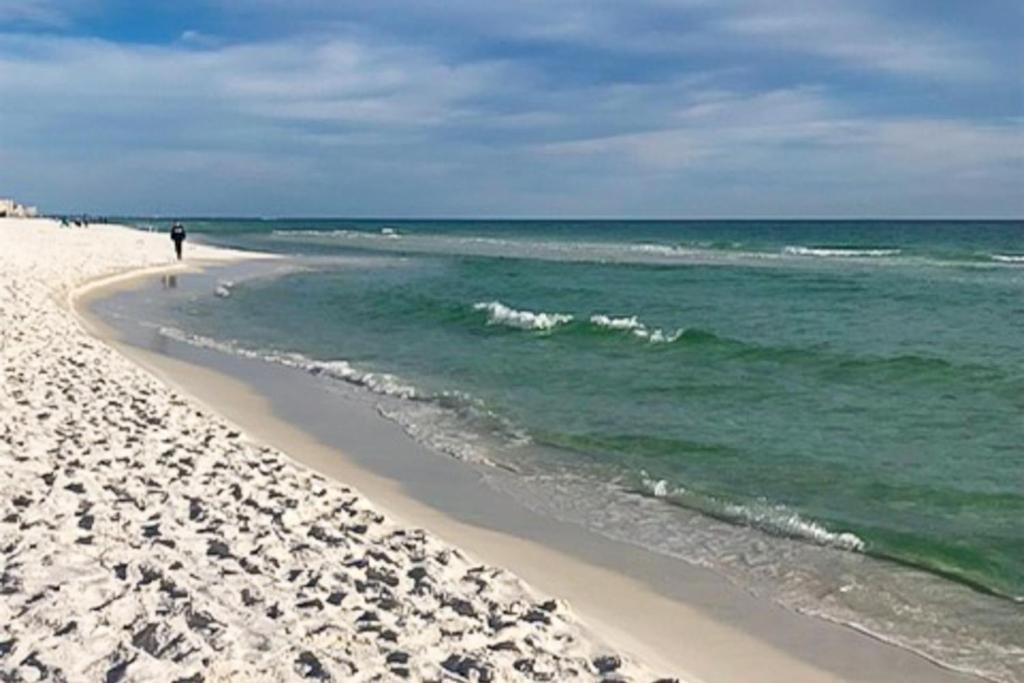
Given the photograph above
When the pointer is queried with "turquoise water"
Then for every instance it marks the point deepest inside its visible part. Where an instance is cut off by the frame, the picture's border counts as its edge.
(852, 385)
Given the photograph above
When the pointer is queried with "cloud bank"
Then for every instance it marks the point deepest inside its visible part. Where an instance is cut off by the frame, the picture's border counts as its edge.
(649, 109)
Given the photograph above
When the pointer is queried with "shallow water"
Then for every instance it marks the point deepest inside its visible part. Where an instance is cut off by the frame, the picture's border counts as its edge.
(710, 390)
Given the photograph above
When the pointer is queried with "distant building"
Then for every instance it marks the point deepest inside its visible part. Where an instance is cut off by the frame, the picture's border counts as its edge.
(12, 209)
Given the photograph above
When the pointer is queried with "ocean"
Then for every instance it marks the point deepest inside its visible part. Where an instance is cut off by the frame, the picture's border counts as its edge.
(829, 413)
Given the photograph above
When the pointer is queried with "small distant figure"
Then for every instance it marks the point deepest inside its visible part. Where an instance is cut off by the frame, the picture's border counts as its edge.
(178, 237)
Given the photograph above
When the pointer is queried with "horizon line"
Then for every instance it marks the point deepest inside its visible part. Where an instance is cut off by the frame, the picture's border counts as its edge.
(609, 219)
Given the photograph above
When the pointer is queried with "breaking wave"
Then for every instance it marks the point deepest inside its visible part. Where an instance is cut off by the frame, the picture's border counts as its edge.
(636, 328)
(449, 422)
(779, 520)
(771, 518)
(223, 288)
(379, 383)
(700, 253)
(840, 252)
(632, 323)
(500, 314)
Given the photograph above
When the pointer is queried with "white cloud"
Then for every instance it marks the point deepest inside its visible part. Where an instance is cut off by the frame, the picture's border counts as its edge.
(716, 125)
(333, 81)
(934, 147)
(366, 124)
(803, 138)
(853, 33)
(46, 13)
(844, 32)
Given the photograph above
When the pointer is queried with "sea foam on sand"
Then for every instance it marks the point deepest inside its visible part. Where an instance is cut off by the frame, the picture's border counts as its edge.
(144, 538)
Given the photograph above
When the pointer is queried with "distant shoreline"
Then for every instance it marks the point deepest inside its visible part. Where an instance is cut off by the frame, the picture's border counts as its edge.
(575, 219)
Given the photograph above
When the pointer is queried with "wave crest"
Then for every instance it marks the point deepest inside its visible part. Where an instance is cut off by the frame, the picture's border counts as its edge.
(1008, 258)
(379, 383)
(632, 324)
(382, 383)
(839, 252)
(781, 521)
(774, 519)
(500, 314)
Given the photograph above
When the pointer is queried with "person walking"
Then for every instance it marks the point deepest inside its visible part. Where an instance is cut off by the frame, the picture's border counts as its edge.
(178, 237)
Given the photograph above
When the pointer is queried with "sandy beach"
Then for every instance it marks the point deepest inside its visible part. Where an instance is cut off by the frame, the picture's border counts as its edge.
(163, 523)
(145, 538)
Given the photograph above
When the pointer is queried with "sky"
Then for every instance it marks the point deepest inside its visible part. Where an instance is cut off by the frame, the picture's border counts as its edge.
(522, 108)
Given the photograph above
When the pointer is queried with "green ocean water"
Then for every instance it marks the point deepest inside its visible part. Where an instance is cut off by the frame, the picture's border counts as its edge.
(856, 386)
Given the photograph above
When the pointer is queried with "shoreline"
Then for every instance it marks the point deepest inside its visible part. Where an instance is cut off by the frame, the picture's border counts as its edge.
(711, 656)
(147, 539)
(238, 403)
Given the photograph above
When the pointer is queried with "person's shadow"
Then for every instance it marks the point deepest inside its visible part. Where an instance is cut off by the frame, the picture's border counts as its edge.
(170, 282)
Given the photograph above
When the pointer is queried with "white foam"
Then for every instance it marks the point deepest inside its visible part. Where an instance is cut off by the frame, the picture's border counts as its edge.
(427, 419)
(659, 336)
(382, 383)
(379, 383)
(500, 314)
(632, 324)
(839, 252)
(662, 250)
(658, 488)
(774, 519)
(1008, 258)
(223, 288)
(584, 251)
(780, 520)
(320, 233)
(427, 425)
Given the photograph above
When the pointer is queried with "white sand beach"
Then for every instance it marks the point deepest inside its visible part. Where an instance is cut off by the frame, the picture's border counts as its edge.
(144, 538)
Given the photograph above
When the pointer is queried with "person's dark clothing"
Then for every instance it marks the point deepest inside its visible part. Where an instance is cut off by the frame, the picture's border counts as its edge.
(178, 236)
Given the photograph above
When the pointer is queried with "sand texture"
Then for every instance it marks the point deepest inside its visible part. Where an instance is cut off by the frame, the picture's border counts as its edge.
(144, 538)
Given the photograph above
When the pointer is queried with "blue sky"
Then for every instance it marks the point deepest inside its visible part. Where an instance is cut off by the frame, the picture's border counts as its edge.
(524, 108)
